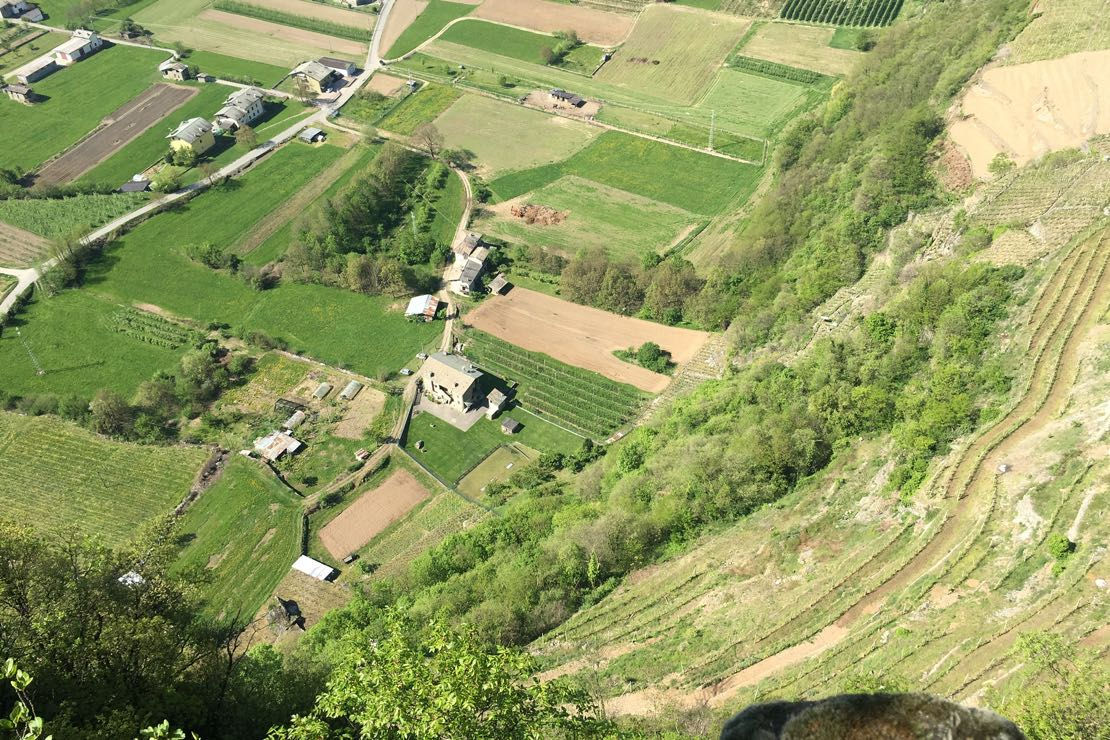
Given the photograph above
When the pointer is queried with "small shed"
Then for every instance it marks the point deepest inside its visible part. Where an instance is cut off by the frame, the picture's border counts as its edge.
(20, 93)
(563, 98)
(276, 445)
(312, 136)
(422, 307)
(295, 420)
(510, 426)
(314, 568)
(174, 70)
(135, 186)
(322, 391)
(350, 390)
(498, 285)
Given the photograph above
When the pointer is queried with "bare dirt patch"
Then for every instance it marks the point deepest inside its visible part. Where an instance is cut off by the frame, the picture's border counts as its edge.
(592, 25)
(582, 336)
(542, 99)
(19, 248)
(530, 213)
(372, 513)
(360, 414)
(307, 9)
(1028, 110)
(122, 126)
(402, 15)
(385, 84)
(286, 33)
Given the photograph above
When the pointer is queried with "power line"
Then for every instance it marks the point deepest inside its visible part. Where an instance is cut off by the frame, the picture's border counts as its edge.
(27, 347)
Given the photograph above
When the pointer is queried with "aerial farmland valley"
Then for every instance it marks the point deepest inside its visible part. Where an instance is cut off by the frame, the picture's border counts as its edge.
(449, 369)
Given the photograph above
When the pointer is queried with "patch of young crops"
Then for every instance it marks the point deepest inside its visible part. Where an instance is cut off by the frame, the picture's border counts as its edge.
(329, 28)
(854, 13)
(581, 400)
(777, 71)
(55, 217)
(150, 328)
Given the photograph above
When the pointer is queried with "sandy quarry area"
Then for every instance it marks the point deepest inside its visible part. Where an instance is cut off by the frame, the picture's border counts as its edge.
(372, 513)
(582, 336)
(593, 26)
(333, 44)
(1027, 110)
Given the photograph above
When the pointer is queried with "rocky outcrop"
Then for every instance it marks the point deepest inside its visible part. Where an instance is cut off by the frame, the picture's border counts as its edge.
(869, 717)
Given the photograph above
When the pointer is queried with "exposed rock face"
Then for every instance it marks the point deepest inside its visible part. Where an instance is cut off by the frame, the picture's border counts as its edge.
(869, 717)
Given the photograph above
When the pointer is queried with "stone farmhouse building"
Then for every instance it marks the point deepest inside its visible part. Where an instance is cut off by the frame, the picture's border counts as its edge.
(452, 380)
(195, 134)
(241, 108)
(317, 77)
(174, 70)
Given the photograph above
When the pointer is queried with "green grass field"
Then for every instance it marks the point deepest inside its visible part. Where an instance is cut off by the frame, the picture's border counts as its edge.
(625, 225)
(57, 13)
(333, 325)
(757, 105)
(449, 209)
(555, 389)
(421, 107)
(520, 44)
(243, 533)
(431, 20)
(234, 68)
(65, 216)
(61, 479)
(78, 98)
(506, 137)
(494, 468)
(673, 53)
(699, 183)
(451, 453)
(82, 350)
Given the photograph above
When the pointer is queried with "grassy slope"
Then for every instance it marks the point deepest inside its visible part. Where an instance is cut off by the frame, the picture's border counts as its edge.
(434, 17)
(696, 182)
(79, 97)
(519, 44)
(247, 533)
(420, 107)
(70, 337)
(224, 66)
(148, 265)
(87, 474)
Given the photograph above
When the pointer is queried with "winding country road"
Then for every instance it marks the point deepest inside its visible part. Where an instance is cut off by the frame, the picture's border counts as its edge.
(27, 278)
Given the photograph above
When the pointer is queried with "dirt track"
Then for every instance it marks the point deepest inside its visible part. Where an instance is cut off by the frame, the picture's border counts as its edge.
(123, 125)
(592, 26)
(582, 336)
(373, 512)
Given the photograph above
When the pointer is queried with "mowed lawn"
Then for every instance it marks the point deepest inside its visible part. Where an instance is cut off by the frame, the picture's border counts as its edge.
(422, 106)
(517, 43)
(70, 335)
(696, 182)
(506, 137)
(674, 52)
(78, 98)
(451, 453)
(436, 15)
(234, 68)
(60, 478)
(754, 105)
(624, 224)
(243, 534)
(795, 45)
(366, 333)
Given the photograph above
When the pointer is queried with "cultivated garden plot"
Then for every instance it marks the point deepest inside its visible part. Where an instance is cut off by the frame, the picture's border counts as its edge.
(582, 336)
(372, 513)
(673, 52)
(64, 479)
(496, 468)
(507, 137)
(796, 45)
(19, 248)
(584, 213)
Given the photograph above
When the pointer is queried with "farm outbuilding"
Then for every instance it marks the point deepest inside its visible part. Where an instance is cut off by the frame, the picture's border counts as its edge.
(316, 76)
(35, 70)
(20, 93)
(174, 70)
(468, 276)
(312, 136)
(322, 391)
(510, 426)
(564, 99)
(339, 66)
(495, 402)
(82, 45)
(141, 185)
(350, 390)
(422, 306)
(21, 10)
(451, 380)
(498, 285)
(276, 445)
(295, 420)
(314, 568)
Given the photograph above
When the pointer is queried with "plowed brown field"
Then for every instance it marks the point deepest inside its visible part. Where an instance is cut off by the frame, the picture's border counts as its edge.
(371, 514)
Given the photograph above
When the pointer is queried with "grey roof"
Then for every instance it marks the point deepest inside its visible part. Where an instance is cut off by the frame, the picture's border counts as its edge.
(351, 390)
(567, 96)
(172, 64)
(334, 63)
(191, 130)
(18, 89)
(309, 134)
(245, 98)
(313, 71)
(135, 186)
(498, 284)
(510, 425)
(470, 272)
(457, 362)
(322, 390)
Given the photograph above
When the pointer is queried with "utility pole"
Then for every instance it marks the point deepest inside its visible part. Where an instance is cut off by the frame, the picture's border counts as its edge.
(712, 126)
(27, 347)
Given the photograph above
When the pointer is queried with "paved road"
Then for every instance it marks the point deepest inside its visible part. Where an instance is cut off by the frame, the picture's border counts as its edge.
(373, 63)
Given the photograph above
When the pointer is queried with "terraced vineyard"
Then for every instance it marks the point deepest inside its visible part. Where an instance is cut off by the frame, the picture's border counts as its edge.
(150, 328)
(857, 13)
(64, 478)
(555, 390)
